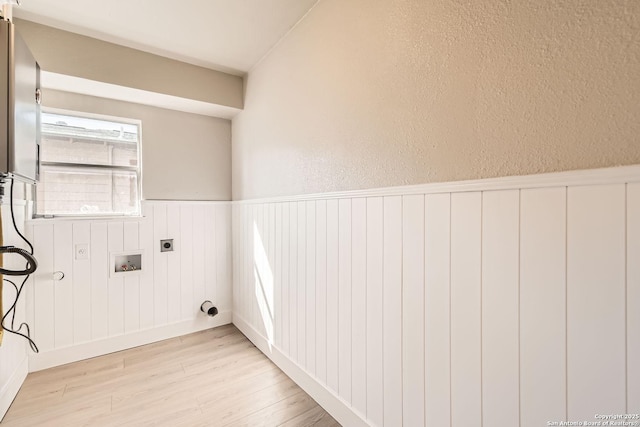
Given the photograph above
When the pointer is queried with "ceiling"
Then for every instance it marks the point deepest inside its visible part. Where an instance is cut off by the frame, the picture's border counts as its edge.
(227, 35)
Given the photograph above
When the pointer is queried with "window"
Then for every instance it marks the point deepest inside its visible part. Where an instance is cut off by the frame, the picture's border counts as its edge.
(89, 165)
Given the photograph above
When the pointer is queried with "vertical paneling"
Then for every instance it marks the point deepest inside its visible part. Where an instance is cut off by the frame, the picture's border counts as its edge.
(238, 260)
(99, 254)
(146, 241)
(247, 267)
(310, 288)
(500, 308)
(188, 303)
(62, 261)
(211, 261)
(294, 321)
(267, 281)
(255, 217)
(332, 295)
(91, 304)
(359, 304)
(199, 260)
(344, 299)
(81, 284)
(542, 306)
(286, 318)
(596, 300)
(321, 290)
(236, 256)
(13, 351)
(633, 297)
(256, 243)
(258, 268)
(466, 390)
(277, 274)
(437, 304)
(222, 243)
(174, 303)
(392, 326)
(374, 310)
(131, 283)
(29, 290)
(301, 283)
(249, 264)
(160, 281)
(450, 309)
(413, 309)
(272, 261)
(261, 242)
(44, 309)
(270, 226)
(115, 238)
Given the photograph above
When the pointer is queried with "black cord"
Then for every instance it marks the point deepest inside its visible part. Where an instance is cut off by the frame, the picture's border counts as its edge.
(13, 218)
(30, 268)
(12, 310)
(32, 264)
(13, 317)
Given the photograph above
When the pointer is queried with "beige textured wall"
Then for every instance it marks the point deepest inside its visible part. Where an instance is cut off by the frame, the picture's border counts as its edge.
(184, 156)
(371, 93)
(71, 54)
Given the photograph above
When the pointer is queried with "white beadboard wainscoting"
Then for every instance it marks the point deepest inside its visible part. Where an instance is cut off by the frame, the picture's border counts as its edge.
(13, 351)
(90, 312)
(501, 302)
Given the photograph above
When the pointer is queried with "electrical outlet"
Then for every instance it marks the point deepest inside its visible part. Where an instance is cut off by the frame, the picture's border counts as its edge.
(166, 245)
(82, 251)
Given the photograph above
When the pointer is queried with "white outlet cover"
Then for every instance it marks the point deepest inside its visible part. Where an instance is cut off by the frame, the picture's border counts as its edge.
(82, 251)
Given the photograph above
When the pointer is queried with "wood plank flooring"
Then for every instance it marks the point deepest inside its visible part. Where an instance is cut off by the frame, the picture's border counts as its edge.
(211, 378)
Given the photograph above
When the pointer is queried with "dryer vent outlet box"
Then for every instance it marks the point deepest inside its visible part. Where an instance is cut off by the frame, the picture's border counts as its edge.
(166, 245)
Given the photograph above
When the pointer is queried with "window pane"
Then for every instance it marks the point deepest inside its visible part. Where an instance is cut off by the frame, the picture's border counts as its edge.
(78, 191)
(70, 139)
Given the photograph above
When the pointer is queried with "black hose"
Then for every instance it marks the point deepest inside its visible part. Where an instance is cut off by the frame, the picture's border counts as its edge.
(30, 267)
(13, 218)
(32, 264)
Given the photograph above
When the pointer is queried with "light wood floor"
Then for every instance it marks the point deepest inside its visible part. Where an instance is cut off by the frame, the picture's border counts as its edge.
(211, 378)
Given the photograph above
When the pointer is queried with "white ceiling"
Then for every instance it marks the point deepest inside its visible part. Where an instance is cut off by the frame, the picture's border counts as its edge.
(228, 35)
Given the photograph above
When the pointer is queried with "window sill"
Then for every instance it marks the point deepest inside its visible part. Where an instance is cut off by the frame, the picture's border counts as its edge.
(109, 218)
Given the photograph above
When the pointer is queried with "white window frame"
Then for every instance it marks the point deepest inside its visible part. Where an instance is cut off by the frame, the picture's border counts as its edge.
(95, 215)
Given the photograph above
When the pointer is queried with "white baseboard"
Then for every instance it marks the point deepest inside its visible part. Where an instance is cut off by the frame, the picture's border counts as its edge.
(333, 404)
(12, 387)
(91, 349)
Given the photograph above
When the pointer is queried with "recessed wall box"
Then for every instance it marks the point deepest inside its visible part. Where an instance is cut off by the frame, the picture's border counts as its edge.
(126, 263)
